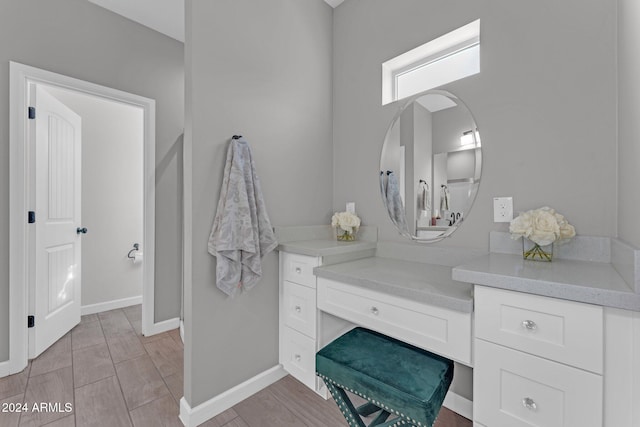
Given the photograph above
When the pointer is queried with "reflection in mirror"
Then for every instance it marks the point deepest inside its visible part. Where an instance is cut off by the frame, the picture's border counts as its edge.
(430, 166)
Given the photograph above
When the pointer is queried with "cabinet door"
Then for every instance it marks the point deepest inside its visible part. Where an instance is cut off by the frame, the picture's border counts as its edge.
(515, 389)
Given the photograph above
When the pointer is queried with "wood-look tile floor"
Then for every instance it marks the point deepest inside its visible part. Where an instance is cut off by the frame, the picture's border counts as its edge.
(113, 376)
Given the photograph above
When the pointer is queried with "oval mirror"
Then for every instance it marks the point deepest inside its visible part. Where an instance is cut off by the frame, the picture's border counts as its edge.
(430, 166)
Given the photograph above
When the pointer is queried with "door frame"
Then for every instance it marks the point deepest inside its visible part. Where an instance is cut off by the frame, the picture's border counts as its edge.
(21, 76)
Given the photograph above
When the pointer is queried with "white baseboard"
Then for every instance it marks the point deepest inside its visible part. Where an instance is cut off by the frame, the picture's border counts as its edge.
(5, 368)
(110, 305)
(165, 325)
(458, 404)
(192, 417)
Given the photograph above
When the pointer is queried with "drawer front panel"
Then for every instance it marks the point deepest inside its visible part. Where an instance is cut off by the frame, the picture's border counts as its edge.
(300, 308)
(299, 269)
(436, 329)
(299, 358)
(515, 389)
(564, 331)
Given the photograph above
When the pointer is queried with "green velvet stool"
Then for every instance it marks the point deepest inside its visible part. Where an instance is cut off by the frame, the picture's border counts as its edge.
(397, 379)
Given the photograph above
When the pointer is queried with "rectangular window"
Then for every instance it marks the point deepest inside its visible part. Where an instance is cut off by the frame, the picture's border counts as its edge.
(448, 58)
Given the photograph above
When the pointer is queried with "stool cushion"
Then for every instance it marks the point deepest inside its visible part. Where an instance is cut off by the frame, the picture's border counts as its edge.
(381, 369)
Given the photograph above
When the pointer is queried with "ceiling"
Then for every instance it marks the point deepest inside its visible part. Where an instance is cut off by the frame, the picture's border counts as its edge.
(164, 16)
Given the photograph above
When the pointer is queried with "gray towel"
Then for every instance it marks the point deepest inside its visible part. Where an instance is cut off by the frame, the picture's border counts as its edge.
(424, 197)
(241, 234)
(395, 205)
(444, 199)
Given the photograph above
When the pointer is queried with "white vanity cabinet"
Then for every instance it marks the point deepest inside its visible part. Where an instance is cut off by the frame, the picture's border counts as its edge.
(538, 361)
(298, 316)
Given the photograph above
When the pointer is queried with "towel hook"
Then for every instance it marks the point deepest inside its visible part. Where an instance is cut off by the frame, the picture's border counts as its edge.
(236, 137)
(136, 246)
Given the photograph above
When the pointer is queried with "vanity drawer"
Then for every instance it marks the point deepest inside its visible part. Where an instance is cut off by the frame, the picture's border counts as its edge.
(564, 331)
(300, 308)
(436, 329)
(299, 268)
(299, 357)
(515, 389)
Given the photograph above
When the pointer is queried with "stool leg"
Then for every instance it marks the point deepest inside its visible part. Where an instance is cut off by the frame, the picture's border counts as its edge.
(393, 422)
(367, 409)
(381, 418)
(346, 407)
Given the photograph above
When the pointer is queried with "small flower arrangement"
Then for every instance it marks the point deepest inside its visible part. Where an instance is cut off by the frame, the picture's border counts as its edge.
(346, 225)
(543, 226)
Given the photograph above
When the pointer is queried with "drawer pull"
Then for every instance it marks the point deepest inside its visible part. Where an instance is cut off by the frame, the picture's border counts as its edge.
(298, 270)
(374, 311)
(297, 358)
(298, 309)
(528, 403)
(529, 324)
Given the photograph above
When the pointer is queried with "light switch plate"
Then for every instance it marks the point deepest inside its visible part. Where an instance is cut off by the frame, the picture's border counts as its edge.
(502, 209)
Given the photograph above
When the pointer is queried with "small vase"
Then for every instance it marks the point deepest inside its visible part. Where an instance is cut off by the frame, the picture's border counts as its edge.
(345, 236)
(534, 252)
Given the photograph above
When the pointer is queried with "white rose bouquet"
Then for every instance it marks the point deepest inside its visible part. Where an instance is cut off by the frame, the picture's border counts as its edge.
(348, 223)
(542, 226)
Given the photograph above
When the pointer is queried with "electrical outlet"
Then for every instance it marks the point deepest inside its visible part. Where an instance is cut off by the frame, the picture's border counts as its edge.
(502, 209)
(351, 207)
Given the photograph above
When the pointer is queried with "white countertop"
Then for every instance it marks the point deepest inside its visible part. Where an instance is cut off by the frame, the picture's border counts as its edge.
(427, 283)
(583, 281)
(325, 247)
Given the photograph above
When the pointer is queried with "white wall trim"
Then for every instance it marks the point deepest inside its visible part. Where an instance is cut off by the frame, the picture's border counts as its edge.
(21, 76)
(433, 54)
(5, 369)
(164, 326)
(635, 375)
(458, 404)
(192, 417)
(110, 305)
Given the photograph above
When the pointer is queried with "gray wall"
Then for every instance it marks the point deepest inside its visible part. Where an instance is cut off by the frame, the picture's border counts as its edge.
(81, 40)
(262, 70)
(629, 125)
(544, 102)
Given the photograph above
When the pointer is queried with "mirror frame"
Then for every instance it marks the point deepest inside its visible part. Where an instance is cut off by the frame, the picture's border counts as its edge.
(407, 102)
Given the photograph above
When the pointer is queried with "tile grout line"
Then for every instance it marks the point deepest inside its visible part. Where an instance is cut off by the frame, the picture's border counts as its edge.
(154, 367)
(114, 366)
(73, 376)
(24, 394)
(160, 373)
(283, 403)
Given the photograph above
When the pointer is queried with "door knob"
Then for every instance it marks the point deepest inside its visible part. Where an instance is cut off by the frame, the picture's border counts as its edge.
(82, 230)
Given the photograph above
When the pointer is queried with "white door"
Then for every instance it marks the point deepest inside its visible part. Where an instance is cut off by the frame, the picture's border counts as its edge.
(55, 295)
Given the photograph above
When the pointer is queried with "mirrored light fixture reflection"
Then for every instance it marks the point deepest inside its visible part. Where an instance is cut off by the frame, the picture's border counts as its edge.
(467, 138)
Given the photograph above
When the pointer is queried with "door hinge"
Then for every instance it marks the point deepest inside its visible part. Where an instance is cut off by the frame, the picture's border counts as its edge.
(31, 321)
(32, 113)
(31, 217)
